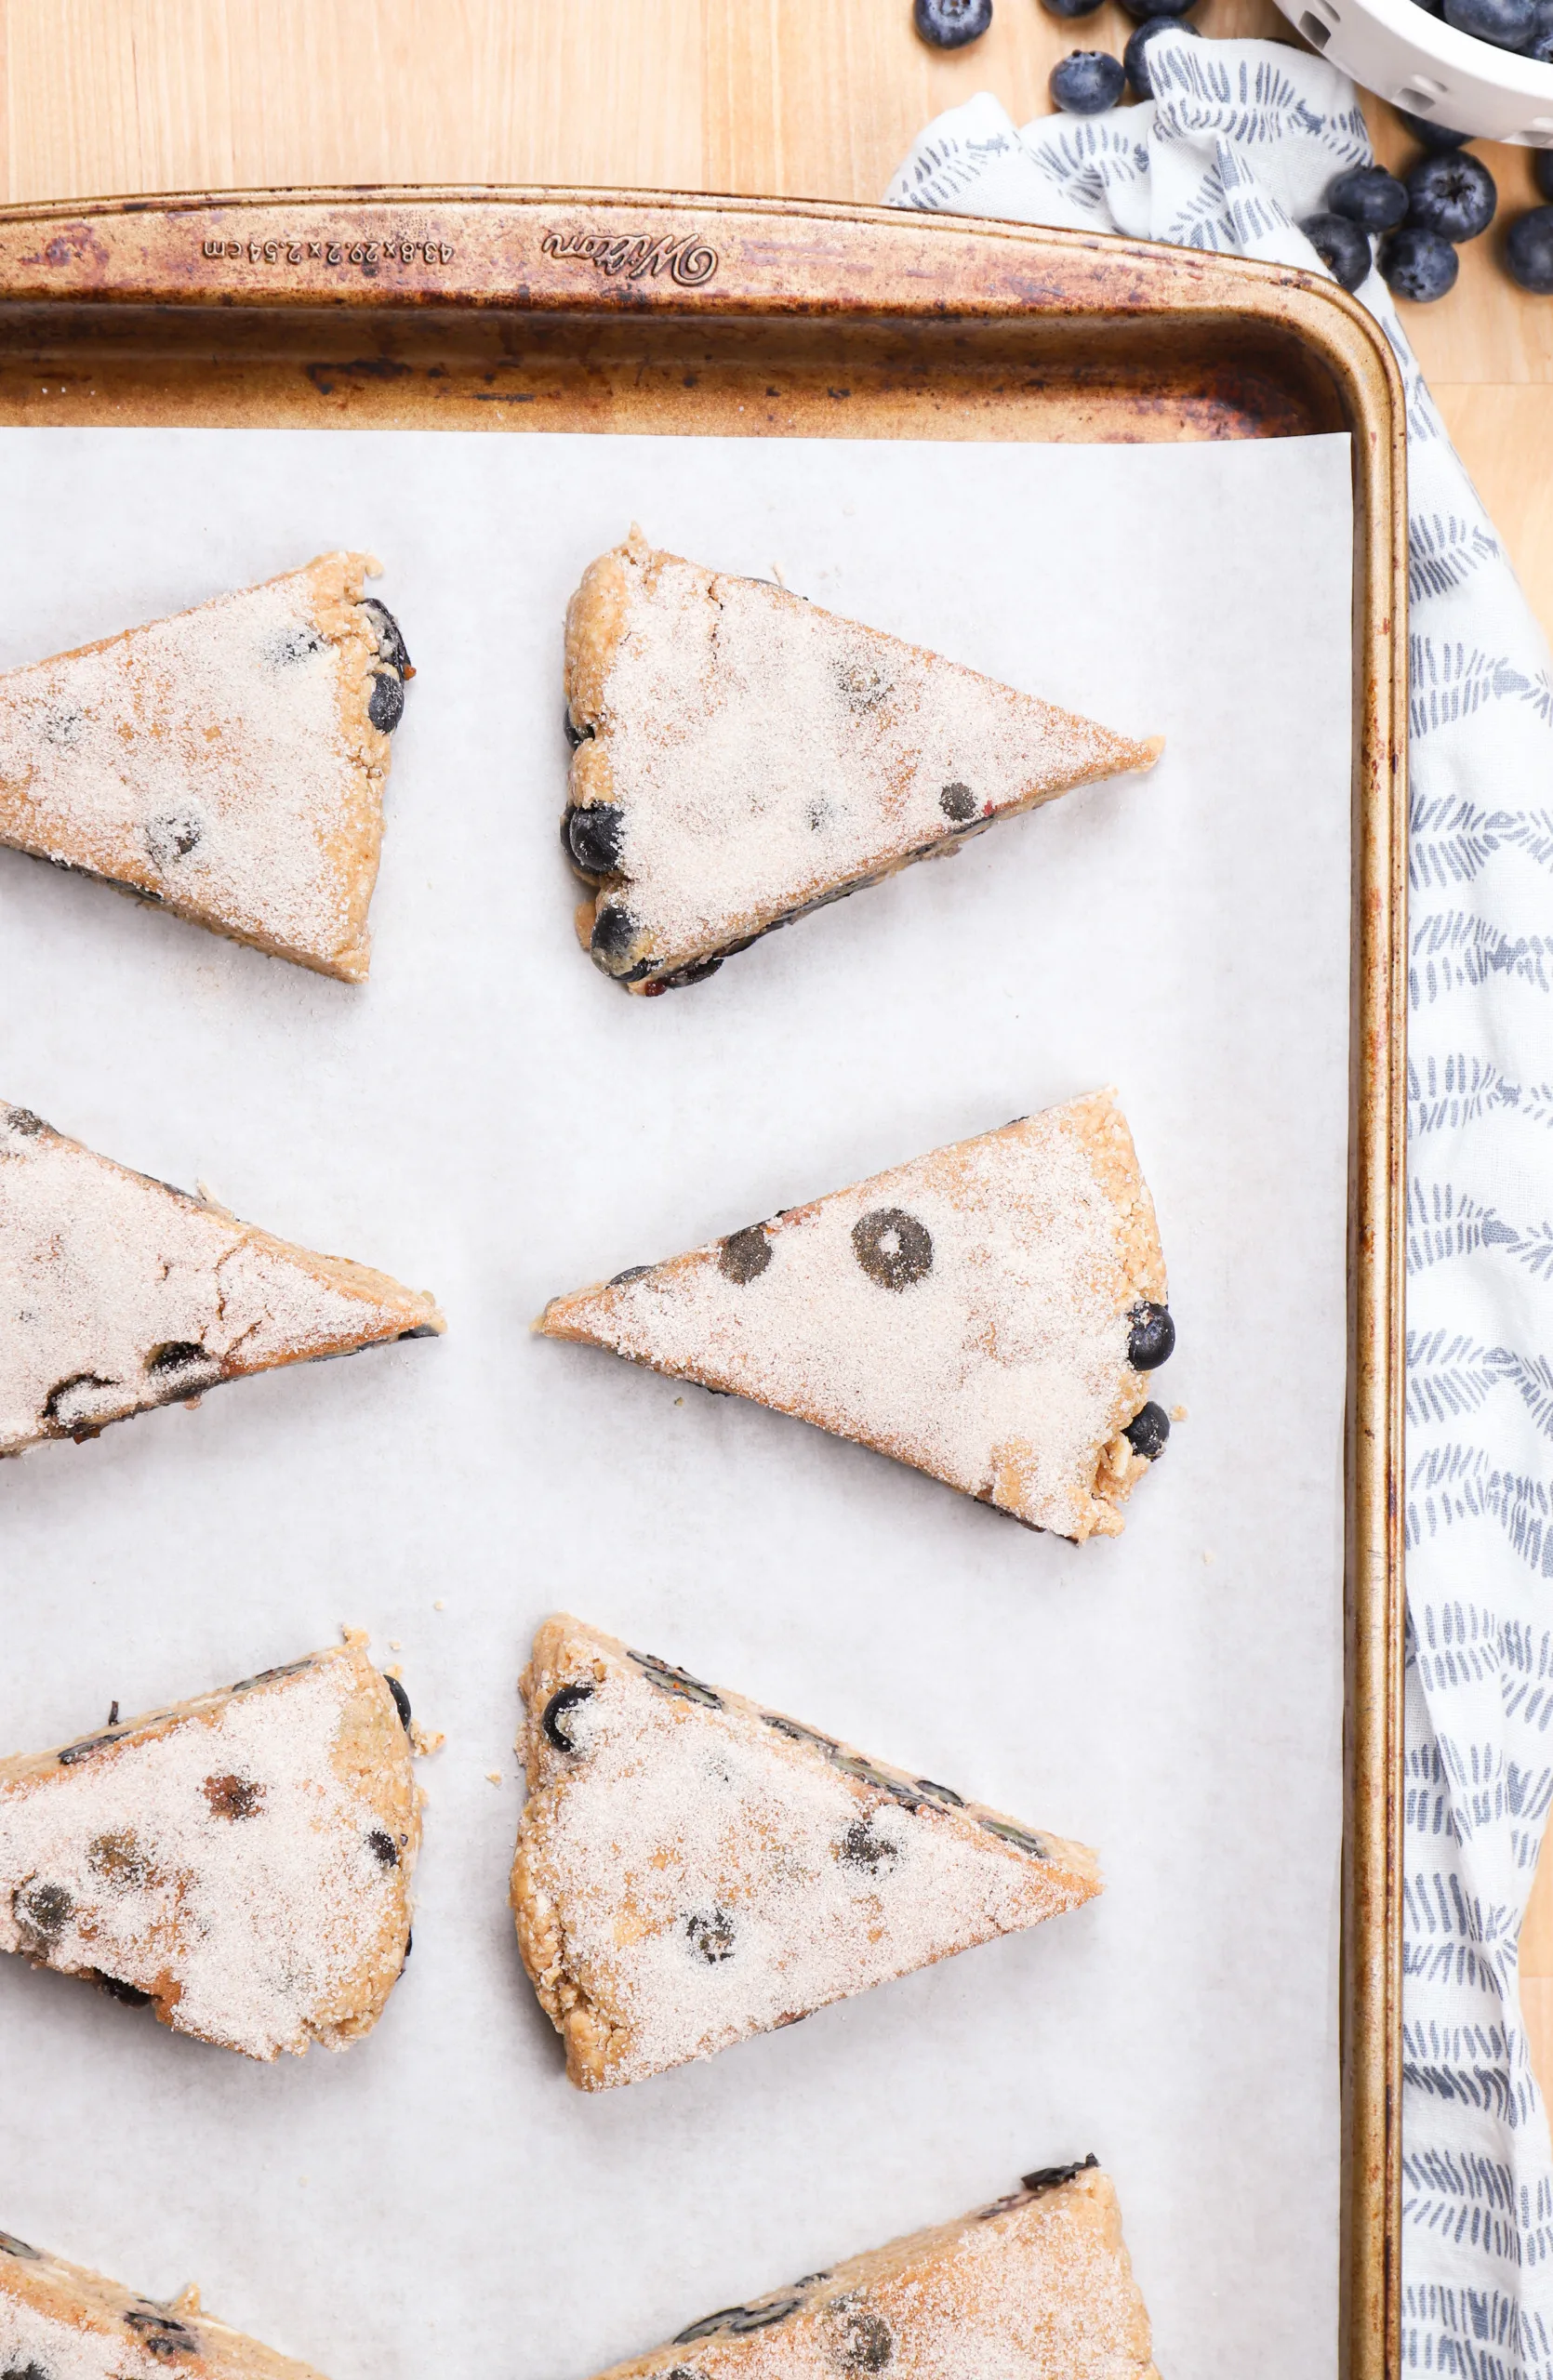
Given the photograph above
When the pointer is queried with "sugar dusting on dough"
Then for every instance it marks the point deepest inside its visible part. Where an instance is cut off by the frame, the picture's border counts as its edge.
(763, 752)
(104, 1274)
(220, 1860)
(1039, 2287)
(690, 1875)
(1002, 1369)
(221, 761)
(65, 2322)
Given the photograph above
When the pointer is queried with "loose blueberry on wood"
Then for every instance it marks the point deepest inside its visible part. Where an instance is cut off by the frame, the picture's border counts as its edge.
(564, 1698)
(744, 1255)
(1088, 82)
(1342, 245)
(1418, 264)
(1134, 58)
(1435, 137)
(593, 836)
(1368, 195)
(1452, 196)
(401, 1702)
(1072, 8)
(1142, 10)
(892, 1247)
(1147, 1431)
(950, 24)
(1151, 1340)
(1528, 251)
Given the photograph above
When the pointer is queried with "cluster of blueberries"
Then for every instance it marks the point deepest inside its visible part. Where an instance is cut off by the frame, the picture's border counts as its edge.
(1421, 221)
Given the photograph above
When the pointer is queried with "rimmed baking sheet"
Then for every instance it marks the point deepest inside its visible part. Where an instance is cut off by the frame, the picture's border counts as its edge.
(490, 1119)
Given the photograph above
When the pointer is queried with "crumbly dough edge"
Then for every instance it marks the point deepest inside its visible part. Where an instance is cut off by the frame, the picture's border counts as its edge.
(90, 2302)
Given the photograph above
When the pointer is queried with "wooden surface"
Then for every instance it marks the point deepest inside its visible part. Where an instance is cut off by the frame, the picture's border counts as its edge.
(808, 97)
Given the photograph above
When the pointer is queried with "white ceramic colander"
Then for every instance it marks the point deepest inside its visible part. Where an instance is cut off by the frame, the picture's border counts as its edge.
(1401, 52)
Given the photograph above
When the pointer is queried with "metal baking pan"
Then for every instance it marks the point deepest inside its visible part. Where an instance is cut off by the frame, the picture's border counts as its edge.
(563, 309)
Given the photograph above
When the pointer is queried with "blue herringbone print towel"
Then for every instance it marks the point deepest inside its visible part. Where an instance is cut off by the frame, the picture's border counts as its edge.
(1239, 144)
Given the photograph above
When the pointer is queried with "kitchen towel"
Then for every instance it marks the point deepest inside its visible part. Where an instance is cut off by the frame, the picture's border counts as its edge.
(1238, 144)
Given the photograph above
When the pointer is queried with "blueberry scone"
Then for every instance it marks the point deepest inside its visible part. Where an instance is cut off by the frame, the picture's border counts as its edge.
(241, 1861)
(119, 1294)
(1037, 2286)
(228, 762)
(58, 2322)
(693, 1868)
(742, 757)
(986, 1312)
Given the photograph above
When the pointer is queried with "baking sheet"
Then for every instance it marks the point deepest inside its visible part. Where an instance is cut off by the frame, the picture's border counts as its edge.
(490, 1119)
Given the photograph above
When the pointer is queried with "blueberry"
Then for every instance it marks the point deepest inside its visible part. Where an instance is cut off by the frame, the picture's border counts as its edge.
(1368, 195)
(1151, 1340)
(174, 1355)
(867, 2343)
(1050, 2177)
(44, 1909)
(392, 647)
(1134, 58)
(950, 24)
(668, 1680)
(614, 933)
(1084, 82)
(163, 2334)
(1343, 246)
(1507, 23)
(1419, 265)
(385, 704)
(1541, 174)
(744, 1255)
(115, 1988)
(945, 1793)
(233, 1797)
(892, 1247)
(800, 1734)
(1072, 7)
(1540, 47)
(592, 838)
(1452, 196)
(957, 801)
(1020, 1836)
(1435, 137)
(553, 1720)
(862, 1846)
(712, 1932)
(383, 1847)
(1147, 1431)
(1528, 251)
(401, 1702)
(631, 1272)
(1142, 10)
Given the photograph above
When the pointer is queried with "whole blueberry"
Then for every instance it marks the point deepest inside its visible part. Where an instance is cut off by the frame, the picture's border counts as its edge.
(1071, 7)
(1342, 245)
(1368, 195)
(1528, 251)
(1134, 58)
(1087, 80)
(1540, 47)
(1453, 195)
(1507, 23)
(1147, 1431)
(1419, 265)
(1542, 171)
(950, 24)
(1141, 10)
(1432, 137)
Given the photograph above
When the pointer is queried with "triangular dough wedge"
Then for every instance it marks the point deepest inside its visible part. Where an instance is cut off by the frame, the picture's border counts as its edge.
(119, 1294)
(742, 757)
(228, 762)
(242, 1861)
(693, 1868)
(58, 2322)
(986, 1313)
(1037, 2286)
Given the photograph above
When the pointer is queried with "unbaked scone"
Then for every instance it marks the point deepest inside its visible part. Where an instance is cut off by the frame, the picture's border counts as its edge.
(119, 1294)
(693, 1868)
(58, 2322)
(986, 1313)
(742, 757)
(228, 762)
(1037, 2286)
(240, 1861)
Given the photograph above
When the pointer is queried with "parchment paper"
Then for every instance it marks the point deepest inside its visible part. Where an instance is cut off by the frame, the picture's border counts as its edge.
(489, 1117)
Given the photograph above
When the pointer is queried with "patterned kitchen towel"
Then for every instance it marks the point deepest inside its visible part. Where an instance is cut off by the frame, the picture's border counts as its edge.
(1238, 145)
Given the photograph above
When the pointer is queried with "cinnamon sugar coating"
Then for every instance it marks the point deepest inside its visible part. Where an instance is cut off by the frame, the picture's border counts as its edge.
(222, 762)
(240, 1861)
(61, 2323)
(758, 756)
(693, 1868)
(119, 1294)
(967, 1313)
(1038, 2286)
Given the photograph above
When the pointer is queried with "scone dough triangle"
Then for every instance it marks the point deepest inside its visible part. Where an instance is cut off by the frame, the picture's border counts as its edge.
(986, 1312)
(1037, 2286)
(742, 757)
(58, 2322)
(693, 1868)
(119, 1294)
(228, 762)
(241, 1861)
